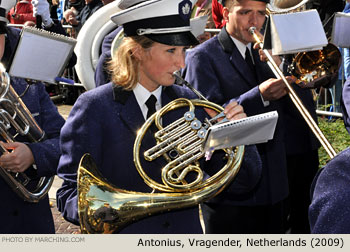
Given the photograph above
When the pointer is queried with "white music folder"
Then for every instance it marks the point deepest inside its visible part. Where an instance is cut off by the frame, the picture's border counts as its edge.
(250, 130)
(41, 55)
(296, 32)
(341, 30)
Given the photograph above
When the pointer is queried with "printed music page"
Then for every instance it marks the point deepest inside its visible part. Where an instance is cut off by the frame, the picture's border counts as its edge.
(250, 130)
(341, 30)
(297, 32)
(41, 55)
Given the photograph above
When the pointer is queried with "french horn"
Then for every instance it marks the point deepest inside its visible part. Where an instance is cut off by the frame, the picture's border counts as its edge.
(105, 208)
(15, 115)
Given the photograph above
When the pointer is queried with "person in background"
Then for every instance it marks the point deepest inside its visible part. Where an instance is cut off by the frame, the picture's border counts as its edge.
(329, 211)
(21, 12)
(77, 5)
(203, 8)
(35, 159)
(227, 67)
(69, 15)
(142, 74)
(345, 100)
(296, 147)
(217, 9)
(91, 6)
(29, 23)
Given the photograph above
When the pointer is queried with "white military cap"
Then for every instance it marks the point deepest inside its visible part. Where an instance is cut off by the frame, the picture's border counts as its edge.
(124, 4)
(163, 21)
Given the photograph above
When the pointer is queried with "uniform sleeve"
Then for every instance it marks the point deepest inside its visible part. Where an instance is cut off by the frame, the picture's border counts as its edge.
(200, 73)
(79, 135)
(101, 73)
(345, 104)
(329, 211)
(47, 153)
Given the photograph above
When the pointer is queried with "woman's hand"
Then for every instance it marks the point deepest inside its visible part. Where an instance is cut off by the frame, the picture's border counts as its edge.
(233, 111)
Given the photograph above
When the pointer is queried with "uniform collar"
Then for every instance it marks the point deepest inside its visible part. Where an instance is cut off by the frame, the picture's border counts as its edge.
(241, 47)
(142, 94)
(120, 95)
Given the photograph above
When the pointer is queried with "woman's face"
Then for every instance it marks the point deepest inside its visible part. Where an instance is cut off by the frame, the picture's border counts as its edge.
(158, 63)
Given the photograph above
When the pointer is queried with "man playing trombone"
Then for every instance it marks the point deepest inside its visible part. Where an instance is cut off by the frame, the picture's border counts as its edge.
(230, 67)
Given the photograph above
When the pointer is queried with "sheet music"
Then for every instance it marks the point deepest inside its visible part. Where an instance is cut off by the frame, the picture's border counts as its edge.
(41, 55)
(251, 130)
(297, 32)
(341, 30)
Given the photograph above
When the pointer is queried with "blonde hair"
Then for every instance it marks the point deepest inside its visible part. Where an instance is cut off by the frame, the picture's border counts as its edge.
(124, 66)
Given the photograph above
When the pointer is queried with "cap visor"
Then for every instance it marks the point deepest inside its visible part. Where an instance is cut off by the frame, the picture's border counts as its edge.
(175, 39)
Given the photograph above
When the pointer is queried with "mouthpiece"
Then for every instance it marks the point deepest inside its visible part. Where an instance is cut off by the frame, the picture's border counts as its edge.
(252, 30)
(178, 78)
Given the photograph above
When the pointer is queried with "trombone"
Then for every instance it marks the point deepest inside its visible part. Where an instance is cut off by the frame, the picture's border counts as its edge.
(295, 99)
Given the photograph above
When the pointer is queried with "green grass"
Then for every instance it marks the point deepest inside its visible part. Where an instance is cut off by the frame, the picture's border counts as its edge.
(336, 134)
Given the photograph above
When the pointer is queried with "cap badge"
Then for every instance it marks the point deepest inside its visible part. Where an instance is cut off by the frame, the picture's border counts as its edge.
(185, 8)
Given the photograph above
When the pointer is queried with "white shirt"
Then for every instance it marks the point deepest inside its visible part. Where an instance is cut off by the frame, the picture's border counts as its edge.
(242, 48)
(142, 95)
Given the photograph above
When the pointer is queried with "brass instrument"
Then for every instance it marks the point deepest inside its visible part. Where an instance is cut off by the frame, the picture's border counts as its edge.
(15, 115)
(104, 208)
(295, 99)
(309, 66)
(284, 6)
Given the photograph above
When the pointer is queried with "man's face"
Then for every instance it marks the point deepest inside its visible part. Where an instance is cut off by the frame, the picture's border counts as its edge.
(243, 15)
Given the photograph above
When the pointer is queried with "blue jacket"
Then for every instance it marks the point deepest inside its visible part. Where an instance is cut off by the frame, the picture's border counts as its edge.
(345, 104)
(104, 122)
(20, 216)
(102, 75)
(329, 212)
(217, 69)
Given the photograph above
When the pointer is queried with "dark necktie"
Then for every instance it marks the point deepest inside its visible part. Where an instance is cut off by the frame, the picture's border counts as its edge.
(248, 59)
(151, 105)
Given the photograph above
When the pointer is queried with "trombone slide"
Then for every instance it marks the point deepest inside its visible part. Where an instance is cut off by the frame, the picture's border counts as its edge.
(295, 99)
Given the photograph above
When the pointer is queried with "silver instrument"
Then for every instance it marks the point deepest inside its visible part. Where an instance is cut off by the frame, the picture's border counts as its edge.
(15, 115)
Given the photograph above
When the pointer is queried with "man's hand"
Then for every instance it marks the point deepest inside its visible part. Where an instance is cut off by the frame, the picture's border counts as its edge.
(274, 89)
(263, 57)
(18, 159)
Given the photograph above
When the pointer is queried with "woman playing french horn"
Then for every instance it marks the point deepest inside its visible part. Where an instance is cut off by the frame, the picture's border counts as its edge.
(104, 121)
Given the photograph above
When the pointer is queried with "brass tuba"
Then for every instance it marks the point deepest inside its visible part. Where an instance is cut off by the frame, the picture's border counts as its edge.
(15, 115)
(284, 6)
(104, 208)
